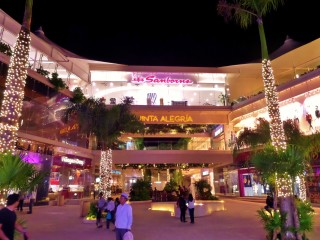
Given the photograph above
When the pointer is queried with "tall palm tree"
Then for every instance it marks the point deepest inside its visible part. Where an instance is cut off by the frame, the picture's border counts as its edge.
(107, 125)
(244, 12)
(15, 82)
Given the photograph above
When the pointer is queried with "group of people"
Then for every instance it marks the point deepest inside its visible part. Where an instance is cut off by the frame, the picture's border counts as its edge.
(30, 197)
(184, 204)
(118, 212)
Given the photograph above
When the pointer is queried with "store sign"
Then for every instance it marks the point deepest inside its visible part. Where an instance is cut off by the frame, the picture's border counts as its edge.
(166, 118)
(72, 160)
(160, 79)
(205, 173)
(69, 128)
(218, 131)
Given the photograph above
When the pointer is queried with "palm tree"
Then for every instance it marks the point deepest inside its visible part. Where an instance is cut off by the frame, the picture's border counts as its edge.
(286, 164)
(15, 174)
(107, 125)
(15, 83)
(244, 12)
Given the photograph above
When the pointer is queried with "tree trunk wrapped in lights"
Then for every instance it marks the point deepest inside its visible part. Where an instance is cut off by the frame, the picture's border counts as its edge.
(106, 173)
(15, 83)
(245, 12)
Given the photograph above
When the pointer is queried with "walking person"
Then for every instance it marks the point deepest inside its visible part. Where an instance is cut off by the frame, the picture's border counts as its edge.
(100, 207)
(123, 217)
(110, 211)
(181, 203)
(8, 219)
(21, 202)
(191, 207)
(32, 199)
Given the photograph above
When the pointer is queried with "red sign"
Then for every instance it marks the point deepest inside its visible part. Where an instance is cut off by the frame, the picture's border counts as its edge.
(152, 79)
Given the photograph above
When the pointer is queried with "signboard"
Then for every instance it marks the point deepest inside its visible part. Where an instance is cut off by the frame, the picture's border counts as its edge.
(218, 130)
(167, 118)
(313, 184)
(161, 78)
(72, 161)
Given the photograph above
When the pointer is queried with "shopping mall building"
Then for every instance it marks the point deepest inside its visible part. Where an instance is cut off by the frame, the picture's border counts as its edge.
(192, 99)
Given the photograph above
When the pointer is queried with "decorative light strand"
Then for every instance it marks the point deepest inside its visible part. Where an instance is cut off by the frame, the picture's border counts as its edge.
(14, 92)
(106, 172)
(302, 188)
(284, 186)
(271, 95)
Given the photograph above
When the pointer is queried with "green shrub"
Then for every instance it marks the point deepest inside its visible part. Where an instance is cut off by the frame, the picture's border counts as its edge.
(140, 190)
(204, 191)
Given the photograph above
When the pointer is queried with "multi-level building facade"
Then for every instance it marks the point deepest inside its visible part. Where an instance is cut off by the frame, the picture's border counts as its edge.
(208, 107)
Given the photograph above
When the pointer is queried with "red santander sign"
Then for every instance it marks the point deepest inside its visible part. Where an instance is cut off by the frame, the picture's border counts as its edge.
(153, 79)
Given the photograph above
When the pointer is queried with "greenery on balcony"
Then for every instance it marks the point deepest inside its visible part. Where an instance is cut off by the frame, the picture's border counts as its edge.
(5, 48)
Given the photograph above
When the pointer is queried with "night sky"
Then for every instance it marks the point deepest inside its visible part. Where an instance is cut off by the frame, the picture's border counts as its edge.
(163, 33)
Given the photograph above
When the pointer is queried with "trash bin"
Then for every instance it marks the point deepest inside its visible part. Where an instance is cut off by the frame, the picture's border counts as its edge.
(60, 200)
(84, 207)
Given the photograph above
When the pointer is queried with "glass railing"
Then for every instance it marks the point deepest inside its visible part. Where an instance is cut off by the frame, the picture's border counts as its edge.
(174, 145)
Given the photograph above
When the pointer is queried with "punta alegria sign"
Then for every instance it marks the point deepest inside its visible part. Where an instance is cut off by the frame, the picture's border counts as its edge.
(161, 79)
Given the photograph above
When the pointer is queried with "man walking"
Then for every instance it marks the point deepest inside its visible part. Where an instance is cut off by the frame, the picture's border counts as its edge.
(8, 219)
(123, 217)
(32, 199)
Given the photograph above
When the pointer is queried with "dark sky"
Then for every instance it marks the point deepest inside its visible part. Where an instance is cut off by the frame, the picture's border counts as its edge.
(163, 33)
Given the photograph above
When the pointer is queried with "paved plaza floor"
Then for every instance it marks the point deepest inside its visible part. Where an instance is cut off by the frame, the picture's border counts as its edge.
(238, 222)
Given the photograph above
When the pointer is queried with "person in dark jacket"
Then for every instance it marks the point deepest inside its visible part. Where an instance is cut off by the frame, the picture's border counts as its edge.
(181, 203)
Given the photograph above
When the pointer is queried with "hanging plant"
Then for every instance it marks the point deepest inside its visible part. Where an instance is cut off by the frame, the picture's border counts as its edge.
(5, 48)
(78, 96)
(57, 82)
(43, 72)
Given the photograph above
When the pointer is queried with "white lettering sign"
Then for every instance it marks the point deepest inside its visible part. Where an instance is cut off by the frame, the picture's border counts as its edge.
(72, 161)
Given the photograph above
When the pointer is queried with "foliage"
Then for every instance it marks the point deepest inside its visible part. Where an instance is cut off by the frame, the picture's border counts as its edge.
(257, 136)
(93, 210)
(107, 124)
(15, 174)
(23, 223)
(178, 128)
(140, 190)
(177, 176)
(5, 48)
(245, 11)
(272, 222)
(171, 186)
(147, 175)
(291, 131)
(138, 142)
(57, 82)
(78, 96)
(306, 216)
(224, 99)
(182, 144)
(43, 72)
(204, 190)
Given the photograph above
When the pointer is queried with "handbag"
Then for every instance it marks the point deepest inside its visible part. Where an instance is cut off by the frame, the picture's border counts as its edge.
(109, 216)
(128, 236)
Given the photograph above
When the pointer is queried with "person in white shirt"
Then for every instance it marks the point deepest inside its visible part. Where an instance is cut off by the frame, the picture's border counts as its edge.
(191, 207)
(123, 217)
(100, 207)
(110, 209)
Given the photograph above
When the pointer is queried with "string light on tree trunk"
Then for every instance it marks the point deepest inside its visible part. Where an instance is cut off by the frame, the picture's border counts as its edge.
(106, 172)
(271, 95)
(284, 186)
(14, 92)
